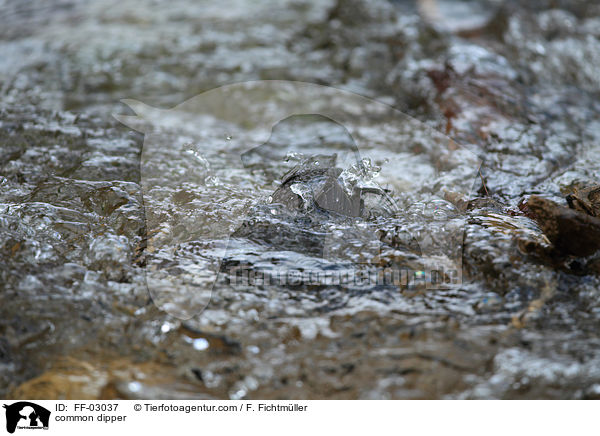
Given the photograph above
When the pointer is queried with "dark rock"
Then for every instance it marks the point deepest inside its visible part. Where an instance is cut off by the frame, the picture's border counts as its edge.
(570, 231)
(586, 201)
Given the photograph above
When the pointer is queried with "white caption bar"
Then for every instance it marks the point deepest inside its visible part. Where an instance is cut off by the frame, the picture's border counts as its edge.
(144, 417)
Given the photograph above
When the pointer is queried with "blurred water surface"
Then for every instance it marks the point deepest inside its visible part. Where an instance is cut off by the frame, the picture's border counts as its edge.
(515, 84)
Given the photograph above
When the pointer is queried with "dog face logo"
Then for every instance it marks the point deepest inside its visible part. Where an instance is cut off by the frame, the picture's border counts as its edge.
(26, 415)
(280, 176)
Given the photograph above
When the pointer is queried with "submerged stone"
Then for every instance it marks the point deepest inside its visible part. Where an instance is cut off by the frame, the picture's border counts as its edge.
(586, 200)
(570, 231)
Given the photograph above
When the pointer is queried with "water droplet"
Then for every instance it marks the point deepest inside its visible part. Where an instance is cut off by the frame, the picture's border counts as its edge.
(200, 344)
(291, 155)
(228, 137)
(165, 328)
(239, 394)
(253, 349)
(134, 386)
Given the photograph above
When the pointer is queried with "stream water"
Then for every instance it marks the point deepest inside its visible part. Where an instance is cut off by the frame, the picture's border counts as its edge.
(381, 134)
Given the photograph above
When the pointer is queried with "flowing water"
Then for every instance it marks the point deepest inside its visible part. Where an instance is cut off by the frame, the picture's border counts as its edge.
(112, 235)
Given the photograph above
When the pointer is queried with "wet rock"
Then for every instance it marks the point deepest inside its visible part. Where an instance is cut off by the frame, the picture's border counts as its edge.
(71, 379)
(216, 343)
(570, 231)
(586, 200)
